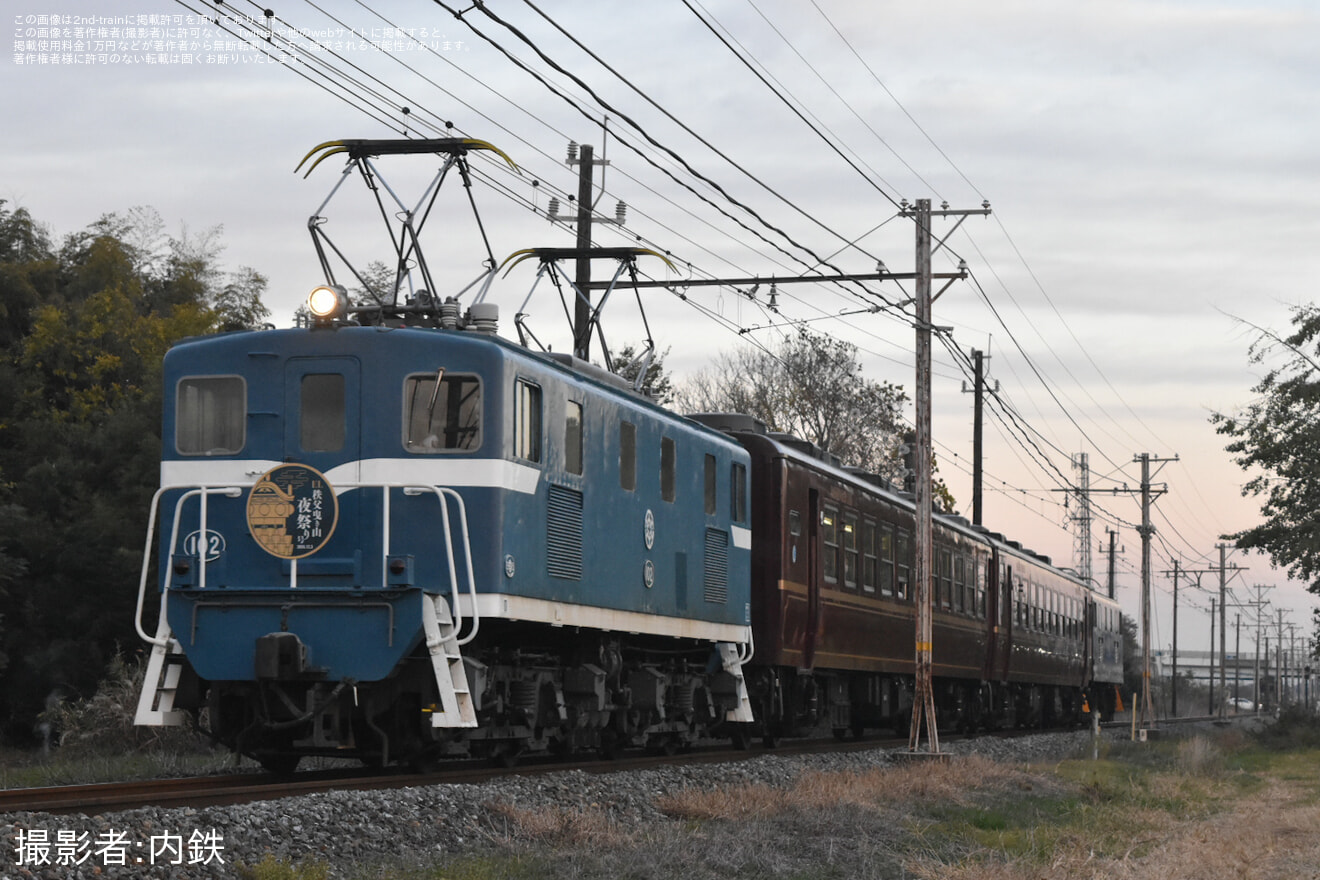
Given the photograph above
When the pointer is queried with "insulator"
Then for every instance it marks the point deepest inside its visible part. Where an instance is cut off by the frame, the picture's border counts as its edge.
(554, 207)
(572, 151)
(620, 212)
(449, 311)
(484, 318)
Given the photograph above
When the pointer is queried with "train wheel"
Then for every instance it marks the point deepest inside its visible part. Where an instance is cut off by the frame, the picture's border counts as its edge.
(840, 733)
(279, 764)
(739, 738)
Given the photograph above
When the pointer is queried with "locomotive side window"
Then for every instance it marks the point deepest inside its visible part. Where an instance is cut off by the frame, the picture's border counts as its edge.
(668, 461)
(527, 420)
(321, 422)
(738, 481)
(210, 415)
(829, 536)
(711, 475)
(794, 523)
(850, 551)
(627, 456)
(573, 437)
(441, 415)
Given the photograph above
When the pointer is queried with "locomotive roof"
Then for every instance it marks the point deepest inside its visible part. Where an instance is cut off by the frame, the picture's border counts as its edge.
(300, 341)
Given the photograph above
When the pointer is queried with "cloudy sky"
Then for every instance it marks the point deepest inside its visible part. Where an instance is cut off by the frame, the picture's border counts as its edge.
(1153, 170)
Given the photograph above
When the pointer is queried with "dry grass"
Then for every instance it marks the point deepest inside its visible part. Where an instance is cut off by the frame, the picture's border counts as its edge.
(553, 826)
(879, 789)
(1267, 835)
(1208, 808)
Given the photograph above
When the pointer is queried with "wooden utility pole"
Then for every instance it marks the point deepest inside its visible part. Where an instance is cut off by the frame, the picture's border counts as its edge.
(1210, 709)
(582, 302)
(1147, 531)
(978, 403)
(1113, 588)
(1173, 711)
(923, 697)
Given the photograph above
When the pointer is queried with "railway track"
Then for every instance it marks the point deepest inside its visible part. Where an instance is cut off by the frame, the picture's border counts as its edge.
(239, 788)
(205, 791)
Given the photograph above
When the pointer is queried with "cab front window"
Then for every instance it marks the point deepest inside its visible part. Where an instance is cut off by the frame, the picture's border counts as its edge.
(210, 415)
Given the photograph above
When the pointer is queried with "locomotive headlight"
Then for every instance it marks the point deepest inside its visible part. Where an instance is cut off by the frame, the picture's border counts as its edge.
(327, 302)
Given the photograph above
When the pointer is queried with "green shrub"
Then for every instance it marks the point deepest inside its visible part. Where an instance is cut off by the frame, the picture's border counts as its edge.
(103, 724)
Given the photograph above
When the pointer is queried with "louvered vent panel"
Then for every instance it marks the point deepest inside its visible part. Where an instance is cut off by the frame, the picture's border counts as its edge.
(563, 538)
(717, 566)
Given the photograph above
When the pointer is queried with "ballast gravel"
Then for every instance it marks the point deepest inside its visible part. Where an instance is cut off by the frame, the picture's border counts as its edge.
(421, 824)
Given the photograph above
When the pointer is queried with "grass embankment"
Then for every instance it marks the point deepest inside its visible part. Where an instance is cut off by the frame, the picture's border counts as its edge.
(1215, 805)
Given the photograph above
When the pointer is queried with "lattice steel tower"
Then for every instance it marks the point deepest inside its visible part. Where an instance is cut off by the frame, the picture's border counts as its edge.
(1081, 517)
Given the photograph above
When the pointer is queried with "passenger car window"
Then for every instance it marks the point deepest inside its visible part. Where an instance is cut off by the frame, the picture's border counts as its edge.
(849, 536)
(442, 416)
(829, 536)
(210, 415)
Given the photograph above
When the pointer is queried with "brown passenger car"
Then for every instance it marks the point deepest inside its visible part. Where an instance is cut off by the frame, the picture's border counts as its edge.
(1016, 641)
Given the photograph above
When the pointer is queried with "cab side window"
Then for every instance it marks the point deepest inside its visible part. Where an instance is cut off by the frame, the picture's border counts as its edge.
(441, 412)
(527, 421)
(573, 437)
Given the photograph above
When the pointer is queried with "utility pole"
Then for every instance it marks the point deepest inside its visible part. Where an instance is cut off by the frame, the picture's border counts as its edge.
(1237, 654)
(1259, 604)
(1210, 709)
(1278, 665)
(978, 400)
(1147, 531)
(1113, 536)
(923, 697)
(1174, 709)
(582, 303)
(1223, 627)
(1223, 622)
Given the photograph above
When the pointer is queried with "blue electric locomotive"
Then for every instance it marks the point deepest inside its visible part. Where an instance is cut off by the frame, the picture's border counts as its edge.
(391, 541)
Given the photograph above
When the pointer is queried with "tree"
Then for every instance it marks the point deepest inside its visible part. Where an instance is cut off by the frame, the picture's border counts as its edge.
(80, 400)
(239, 302)
(1276, 438)
(812, 387)
(658, 385)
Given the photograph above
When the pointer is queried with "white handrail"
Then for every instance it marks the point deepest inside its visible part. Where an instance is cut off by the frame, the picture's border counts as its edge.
(146, 566)
(204, 491)
(467, 554)
(441, 493)
(750, 645)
